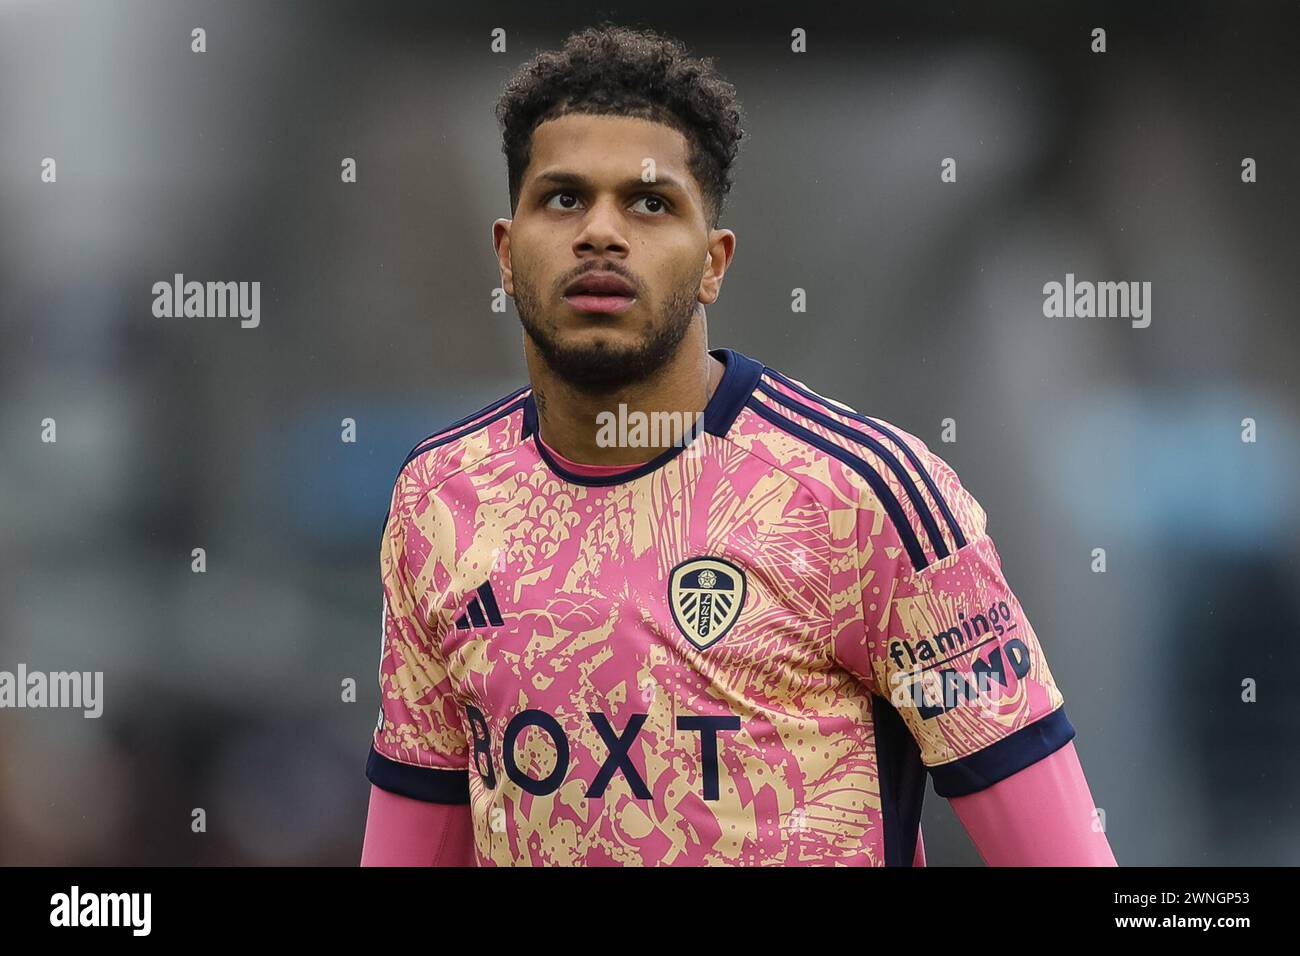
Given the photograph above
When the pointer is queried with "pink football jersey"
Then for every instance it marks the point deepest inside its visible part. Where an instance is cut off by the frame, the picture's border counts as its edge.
(748, 650)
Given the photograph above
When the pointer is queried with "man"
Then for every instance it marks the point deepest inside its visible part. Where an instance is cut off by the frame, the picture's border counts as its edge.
(743, 642)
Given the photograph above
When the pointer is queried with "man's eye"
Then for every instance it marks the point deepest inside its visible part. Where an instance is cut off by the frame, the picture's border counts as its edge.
(562, 196)
(660, 206)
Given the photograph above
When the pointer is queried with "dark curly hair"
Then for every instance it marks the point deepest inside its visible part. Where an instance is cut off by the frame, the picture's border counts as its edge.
(609, 69)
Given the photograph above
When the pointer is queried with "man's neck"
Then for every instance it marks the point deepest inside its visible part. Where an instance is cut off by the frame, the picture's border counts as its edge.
(593, 429)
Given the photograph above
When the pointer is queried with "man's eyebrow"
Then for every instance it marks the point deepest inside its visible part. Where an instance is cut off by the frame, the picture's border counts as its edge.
(562, 177)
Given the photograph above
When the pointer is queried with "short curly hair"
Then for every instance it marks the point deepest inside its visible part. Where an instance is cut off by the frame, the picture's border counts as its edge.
(614, 70)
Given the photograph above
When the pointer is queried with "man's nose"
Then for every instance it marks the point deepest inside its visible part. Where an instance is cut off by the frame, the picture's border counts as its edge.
(602, 230)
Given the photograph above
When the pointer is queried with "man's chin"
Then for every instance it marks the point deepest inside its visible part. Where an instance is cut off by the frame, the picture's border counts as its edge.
(603, 336)
(598, 362)
(600, 354)
(598, 371)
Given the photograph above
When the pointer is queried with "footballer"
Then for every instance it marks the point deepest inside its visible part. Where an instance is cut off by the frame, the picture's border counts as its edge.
(748, 643)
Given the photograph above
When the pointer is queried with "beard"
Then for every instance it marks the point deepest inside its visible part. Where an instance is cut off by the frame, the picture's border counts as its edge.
(601, 367)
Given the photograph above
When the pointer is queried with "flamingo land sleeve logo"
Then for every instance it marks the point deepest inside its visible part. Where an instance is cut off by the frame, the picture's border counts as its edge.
(706, 595)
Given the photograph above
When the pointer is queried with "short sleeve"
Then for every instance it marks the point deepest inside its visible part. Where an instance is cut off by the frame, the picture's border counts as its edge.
(955, 655)
(419, 747)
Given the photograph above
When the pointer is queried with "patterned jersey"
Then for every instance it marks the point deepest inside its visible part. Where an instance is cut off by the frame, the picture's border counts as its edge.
(748, 650)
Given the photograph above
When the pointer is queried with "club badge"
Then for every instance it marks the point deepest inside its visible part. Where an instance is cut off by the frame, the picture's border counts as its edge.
(706, 595)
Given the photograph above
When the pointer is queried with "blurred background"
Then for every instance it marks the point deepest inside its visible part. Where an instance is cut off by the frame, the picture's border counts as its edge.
(222, 690)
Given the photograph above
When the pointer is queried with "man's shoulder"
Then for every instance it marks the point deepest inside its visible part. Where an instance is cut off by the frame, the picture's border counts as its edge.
(823, 427)
(461, 444)
(815, 437)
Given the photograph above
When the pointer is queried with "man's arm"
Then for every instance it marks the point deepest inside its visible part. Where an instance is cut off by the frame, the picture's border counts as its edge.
(418, 762)
(401, 831)
(1039, 816)
(955, 654)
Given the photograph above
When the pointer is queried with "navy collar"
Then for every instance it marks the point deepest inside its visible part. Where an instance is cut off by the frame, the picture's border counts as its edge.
(739, 378)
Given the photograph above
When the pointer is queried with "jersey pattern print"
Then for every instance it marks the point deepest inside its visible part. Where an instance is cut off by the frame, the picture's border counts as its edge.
(749, 650)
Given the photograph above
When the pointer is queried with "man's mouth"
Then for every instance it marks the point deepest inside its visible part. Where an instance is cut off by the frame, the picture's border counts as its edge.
(600, 303)
(603, 292)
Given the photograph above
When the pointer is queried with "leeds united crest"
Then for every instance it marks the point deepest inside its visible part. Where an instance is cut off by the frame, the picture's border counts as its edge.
(706, 595)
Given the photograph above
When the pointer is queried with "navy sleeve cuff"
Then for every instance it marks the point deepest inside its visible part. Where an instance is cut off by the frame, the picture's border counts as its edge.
(429, 784)
(986, 767)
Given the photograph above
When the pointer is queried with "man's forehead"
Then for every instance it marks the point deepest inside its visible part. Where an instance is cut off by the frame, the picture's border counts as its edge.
(579, 142)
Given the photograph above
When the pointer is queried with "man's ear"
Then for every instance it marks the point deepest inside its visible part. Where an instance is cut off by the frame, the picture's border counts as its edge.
(717, 257)
(501, 243)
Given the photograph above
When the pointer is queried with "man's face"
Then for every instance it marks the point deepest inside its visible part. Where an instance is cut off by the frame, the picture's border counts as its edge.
(587, 205)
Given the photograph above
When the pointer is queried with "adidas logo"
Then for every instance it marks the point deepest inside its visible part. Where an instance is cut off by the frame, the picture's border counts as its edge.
(482, 610)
